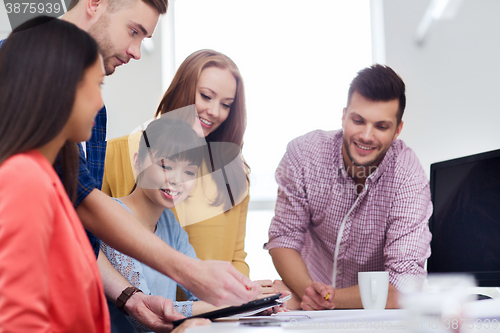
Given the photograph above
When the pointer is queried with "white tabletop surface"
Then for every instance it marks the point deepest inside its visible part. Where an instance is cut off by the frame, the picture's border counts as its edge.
(394, 321)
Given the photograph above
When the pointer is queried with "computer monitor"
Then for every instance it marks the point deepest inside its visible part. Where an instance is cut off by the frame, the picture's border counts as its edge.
(465, 225)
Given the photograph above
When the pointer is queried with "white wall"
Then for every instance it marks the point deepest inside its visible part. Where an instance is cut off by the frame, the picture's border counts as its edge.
(452, 80)
(296, 59)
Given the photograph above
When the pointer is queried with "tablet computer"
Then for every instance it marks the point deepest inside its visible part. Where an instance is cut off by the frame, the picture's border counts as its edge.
(248, 309)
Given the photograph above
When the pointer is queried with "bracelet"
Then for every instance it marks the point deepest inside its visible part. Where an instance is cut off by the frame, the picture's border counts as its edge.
(124, 297)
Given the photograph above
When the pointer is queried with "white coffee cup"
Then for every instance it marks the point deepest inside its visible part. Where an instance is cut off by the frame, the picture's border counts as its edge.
(373, 287)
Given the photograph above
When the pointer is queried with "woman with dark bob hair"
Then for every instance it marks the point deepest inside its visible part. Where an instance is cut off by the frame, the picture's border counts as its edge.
(50, 78)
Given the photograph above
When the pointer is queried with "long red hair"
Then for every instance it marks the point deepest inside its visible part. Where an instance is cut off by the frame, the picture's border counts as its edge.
(182, 92)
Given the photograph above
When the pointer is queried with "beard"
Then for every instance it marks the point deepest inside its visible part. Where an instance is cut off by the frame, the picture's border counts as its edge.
(372, 162)
(99, 31)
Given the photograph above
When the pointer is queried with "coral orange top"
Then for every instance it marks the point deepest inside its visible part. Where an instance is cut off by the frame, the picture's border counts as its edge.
(49, 279)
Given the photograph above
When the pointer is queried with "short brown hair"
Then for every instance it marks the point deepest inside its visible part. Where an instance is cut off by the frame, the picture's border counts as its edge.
(115, 5)
(379, 83)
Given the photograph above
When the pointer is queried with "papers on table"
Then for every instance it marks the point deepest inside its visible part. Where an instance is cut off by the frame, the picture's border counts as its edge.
(346, 319)
(341, 319)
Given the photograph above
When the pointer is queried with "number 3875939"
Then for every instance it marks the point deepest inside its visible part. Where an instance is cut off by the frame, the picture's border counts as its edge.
(33, 7)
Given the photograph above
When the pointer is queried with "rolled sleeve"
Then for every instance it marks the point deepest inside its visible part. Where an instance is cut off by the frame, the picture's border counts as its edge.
(408, 236)
(291, 220)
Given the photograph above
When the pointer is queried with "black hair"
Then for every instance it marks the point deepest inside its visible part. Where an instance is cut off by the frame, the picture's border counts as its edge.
(173, 139)
(41, 64)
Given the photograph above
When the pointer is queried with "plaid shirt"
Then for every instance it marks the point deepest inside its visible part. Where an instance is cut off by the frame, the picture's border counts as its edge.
(92, 168)
(387, 227)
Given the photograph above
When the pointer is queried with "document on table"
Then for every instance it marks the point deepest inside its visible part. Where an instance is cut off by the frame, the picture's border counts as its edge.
(358, 316)
(341, 315)
(273, 317)
(346, 319)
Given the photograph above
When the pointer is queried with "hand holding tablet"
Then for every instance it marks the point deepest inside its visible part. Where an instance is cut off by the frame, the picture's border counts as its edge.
(246, 309)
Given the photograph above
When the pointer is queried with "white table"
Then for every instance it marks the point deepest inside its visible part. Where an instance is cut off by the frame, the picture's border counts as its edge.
(394, 321)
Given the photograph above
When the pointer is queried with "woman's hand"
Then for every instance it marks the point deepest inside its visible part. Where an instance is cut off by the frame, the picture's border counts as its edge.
(294, 302)
(266, 289)
(154, 312)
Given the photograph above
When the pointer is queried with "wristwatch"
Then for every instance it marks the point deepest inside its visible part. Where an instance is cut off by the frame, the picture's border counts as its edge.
(124, 296)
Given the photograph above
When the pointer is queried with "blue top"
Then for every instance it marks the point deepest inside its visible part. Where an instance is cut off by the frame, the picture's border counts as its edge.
(150, 281)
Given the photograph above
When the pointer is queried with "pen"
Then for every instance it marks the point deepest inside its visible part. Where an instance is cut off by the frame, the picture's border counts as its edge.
(327, 296)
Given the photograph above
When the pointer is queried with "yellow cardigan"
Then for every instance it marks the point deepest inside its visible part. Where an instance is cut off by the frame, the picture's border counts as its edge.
(219, 236)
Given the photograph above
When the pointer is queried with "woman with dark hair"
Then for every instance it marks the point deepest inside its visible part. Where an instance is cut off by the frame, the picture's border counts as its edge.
(50, 78)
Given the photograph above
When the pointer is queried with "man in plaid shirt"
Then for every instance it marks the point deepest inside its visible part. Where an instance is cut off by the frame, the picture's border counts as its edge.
(352, 200)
